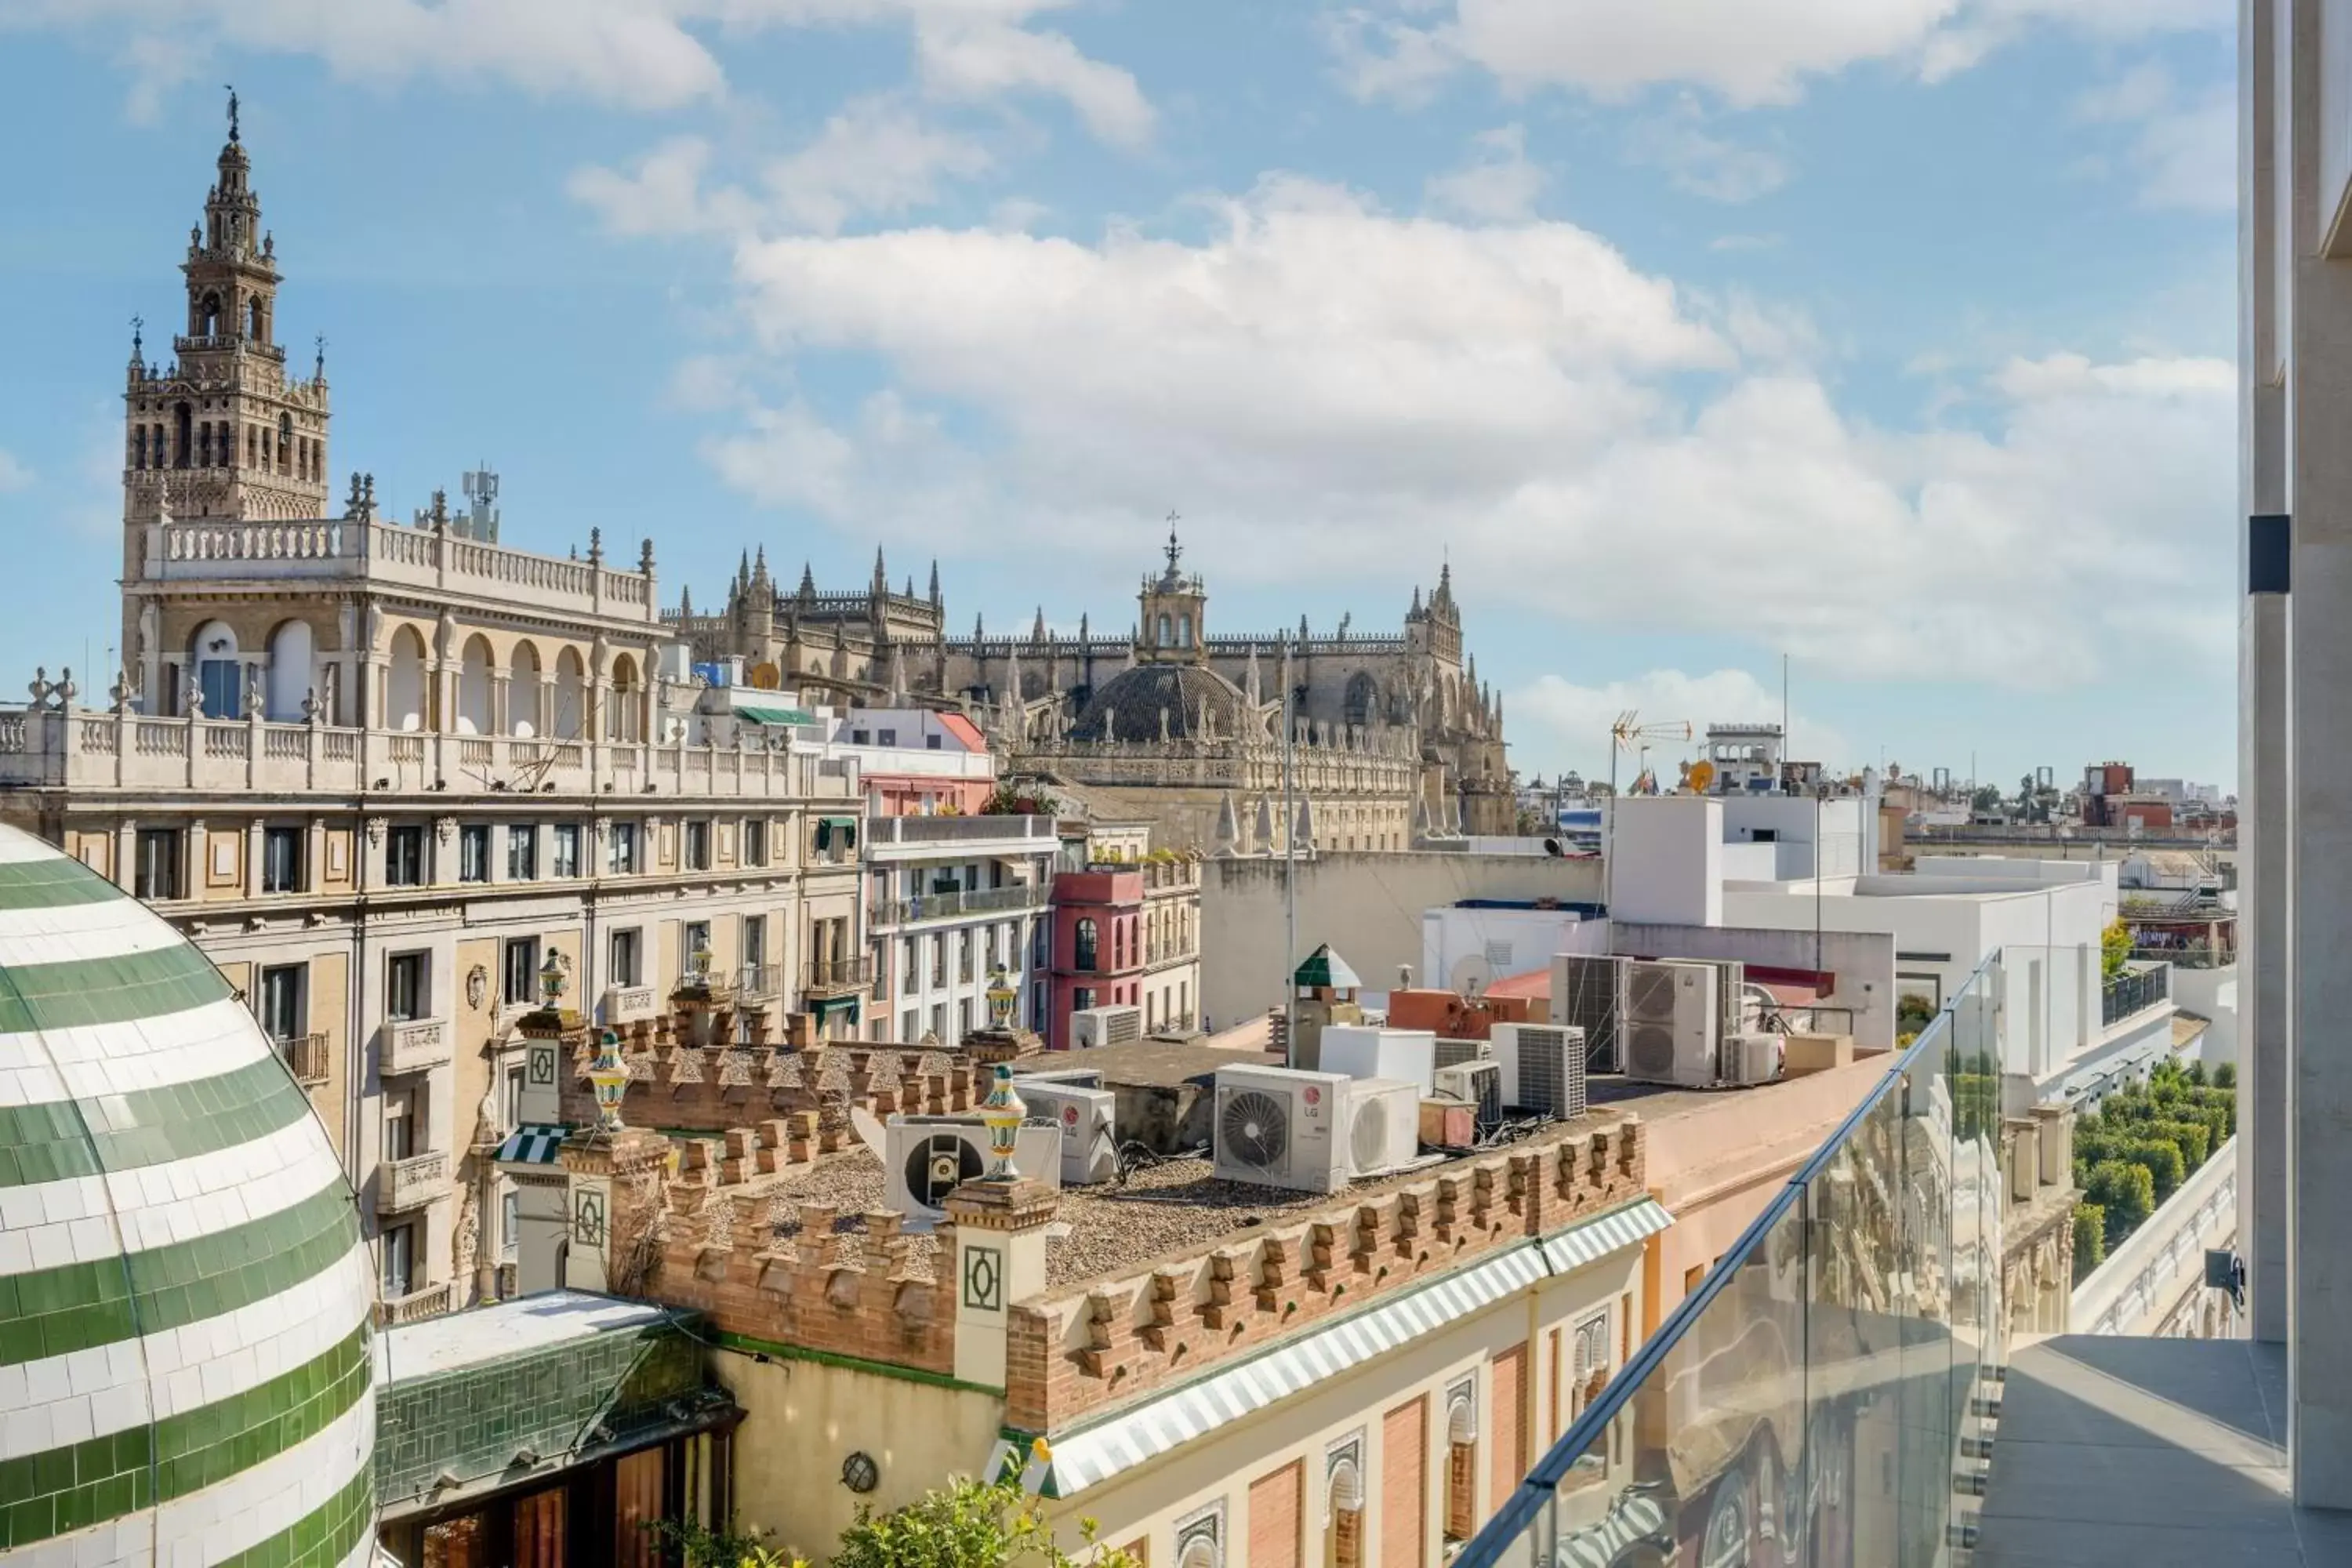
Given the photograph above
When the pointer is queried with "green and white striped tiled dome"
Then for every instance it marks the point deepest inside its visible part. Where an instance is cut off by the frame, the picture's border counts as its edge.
(185, 1298)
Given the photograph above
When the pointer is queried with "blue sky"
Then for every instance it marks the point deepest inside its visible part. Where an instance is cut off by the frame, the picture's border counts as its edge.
(1896, 338)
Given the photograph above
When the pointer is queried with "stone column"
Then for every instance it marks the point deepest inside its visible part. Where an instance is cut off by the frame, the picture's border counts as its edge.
(611, 1193)
(2317, 351)
(1000, 1259)
(2262, 804)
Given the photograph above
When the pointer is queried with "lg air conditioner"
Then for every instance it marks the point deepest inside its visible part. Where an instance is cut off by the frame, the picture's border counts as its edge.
(1585, 992)
(1383, 1125)
(1541, 1067)
(1095, 1026)
(1085, 1119)
(925, 1158)
(1670, 1021)
(1281, 1127)
(1479, 1084)
(1451, 1051)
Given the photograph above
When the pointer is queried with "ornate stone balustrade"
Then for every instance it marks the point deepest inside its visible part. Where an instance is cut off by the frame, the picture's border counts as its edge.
(414, 1044)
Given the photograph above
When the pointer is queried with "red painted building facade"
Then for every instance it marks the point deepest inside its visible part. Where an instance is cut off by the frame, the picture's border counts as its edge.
(1095, 956)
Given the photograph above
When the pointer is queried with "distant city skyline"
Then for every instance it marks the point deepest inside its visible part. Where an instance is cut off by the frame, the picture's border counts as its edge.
(1902, 344)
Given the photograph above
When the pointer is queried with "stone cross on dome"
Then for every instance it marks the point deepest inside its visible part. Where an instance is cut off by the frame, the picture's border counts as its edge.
(1174, 549)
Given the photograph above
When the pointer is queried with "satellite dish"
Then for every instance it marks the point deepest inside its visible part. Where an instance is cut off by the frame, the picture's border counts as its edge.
(1471, 973)
(1701, 777)
(766, 678)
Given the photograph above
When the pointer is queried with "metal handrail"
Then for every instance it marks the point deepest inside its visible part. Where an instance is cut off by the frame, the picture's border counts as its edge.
(1519, 1509)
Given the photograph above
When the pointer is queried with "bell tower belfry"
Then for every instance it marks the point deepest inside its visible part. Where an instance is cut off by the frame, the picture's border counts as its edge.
(1175, 609)
(224, 431)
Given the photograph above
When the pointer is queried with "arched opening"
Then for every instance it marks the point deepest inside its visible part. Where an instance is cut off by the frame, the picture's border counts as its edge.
(621, 705)
(185, 421)
(1363, 696)
(208, 316)
(571, 696)
(220, 674)
(1086, 943)
(475, 711)
(1184, 630)
(1461, 1471)
(285, 443)
(1344, 1537)
(403, 703)
(1163, 639)
(291, 674)
(524, 692)
(257, 323)
(139, 447)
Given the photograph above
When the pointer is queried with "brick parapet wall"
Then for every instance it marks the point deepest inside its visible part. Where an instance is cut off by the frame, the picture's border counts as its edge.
(1074, 1352)
(701, 1088)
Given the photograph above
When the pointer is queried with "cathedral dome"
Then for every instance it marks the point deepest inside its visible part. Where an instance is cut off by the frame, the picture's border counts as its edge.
(1128, 706)
(185, 1302)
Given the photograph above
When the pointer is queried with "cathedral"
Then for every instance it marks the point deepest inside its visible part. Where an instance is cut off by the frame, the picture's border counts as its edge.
(1393, 736)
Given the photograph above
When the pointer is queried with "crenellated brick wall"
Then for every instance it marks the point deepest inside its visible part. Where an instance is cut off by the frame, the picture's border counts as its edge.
(699, 1088)
(1076, 1352)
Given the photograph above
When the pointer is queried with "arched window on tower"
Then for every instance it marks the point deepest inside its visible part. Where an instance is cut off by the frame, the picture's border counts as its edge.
(139, 447)
(257, 323)
(1363, 695)
(1162, 640)
(285, 443)
(208, 316)
(252, 446)
(1184, 630)
(185, 435)
(204, 445)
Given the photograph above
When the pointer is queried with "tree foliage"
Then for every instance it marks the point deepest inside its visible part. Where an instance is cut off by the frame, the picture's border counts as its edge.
(2114, 948)
(967, 1524)
(2125, 1195)
(2090, 1239)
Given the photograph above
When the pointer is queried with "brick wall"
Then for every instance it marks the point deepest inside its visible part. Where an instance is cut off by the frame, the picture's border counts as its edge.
(1507, 1434)
(1274, 1502)
(1076, 1351)
(697, 1089)
(1405, 1485)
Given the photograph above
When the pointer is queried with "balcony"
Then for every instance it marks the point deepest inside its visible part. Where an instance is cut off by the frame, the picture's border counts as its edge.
(1017, 833)
(630, 1004)
(412, 1182)
(425, 1302)
(306, 1058)
(414, 1044)
(838, 976)
(2139, 987)
(760, 982)
(953, 903)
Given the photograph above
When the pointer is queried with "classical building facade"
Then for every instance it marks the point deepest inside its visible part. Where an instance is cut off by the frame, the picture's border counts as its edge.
(1396, 737)
(390, 778)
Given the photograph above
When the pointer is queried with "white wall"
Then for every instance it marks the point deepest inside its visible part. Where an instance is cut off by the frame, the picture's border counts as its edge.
(1668, 860)
(1504, 942)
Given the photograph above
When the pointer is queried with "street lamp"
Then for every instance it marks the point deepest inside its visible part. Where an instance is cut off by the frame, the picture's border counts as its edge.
(611, 1079)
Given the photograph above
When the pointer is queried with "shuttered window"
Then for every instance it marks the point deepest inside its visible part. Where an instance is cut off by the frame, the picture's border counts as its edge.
(1404, 1488)
(1274, 1502)
(1506, 1431)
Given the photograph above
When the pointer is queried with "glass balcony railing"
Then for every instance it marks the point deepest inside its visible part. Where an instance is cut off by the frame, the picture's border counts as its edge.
(1815, 1400)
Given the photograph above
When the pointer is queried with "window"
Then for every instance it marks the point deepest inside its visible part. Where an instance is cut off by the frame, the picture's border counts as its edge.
(474, 852)
(909, 1022)
(963, 955)
(399, 1125)
(566, 853)
(510, 1226)
(889, 737)
(1084, 945)
(939, 1022)
(697, 940)
(939, 942)
(523, 853)
(932, 743)
(158, 874)
(514, 1096)
(621, 860)
(1081, 998)
(399, 1261)
(278, 1002)
(405, 985)
(621, 967)
(911, 972)
(963, 1018)
(861, 737)
(403, 857)
(755, 841)
(697, 846)
(281, 859)
(519, 972)
(755, 945)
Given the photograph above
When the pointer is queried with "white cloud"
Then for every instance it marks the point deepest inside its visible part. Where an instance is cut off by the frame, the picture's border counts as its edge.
(2181, 147)
(635, 54)
(1499, 183)
(1746, 52)
(1698, 161)
(874, 157)
(14, 475)
(1558, 723)
(1324, 386)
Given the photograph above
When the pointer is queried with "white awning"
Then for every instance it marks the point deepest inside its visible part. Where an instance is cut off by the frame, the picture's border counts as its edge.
(1094, 1454)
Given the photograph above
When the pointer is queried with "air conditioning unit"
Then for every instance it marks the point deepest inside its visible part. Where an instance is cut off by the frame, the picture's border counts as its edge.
(1477, 1083)
(1730, 994)
(1585, 991)
(1280, 1127)
(1541, 1067)
(1085, 1119)
(1076, 1078)
(925, 1158)
(1451, 1051)
(1751, 1059)
(1670, 1019)
(1383, 1125)
(1105, 1027)
(1361, 1051)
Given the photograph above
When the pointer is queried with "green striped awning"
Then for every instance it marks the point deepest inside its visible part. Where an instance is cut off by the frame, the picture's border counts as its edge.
(826, 1006)
(826, 827)
(531, 1145)
(1094, 1454)
(781, 716)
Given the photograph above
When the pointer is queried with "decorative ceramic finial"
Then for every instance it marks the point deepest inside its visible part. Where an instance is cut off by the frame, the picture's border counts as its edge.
(1002, 1114)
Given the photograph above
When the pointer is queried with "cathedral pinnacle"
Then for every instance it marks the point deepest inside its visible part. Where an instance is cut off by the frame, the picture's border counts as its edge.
(232, 114)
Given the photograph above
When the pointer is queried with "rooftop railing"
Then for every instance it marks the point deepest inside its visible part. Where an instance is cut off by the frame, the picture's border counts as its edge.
(958, 830)
(1816, 1394)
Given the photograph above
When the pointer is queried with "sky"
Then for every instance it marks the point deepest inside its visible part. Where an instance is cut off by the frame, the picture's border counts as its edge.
(1892, 339)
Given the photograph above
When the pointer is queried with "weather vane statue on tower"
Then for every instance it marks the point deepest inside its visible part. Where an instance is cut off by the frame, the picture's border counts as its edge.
(232, 111)
(1175, 550)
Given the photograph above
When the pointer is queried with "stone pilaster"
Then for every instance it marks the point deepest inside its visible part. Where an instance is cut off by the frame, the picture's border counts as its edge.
(1000, 1259)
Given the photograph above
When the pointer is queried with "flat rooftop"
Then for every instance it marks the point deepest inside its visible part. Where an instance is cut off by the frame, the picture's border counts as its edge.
(458, 1339)
(2142, 1452)
(1108, 1229)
